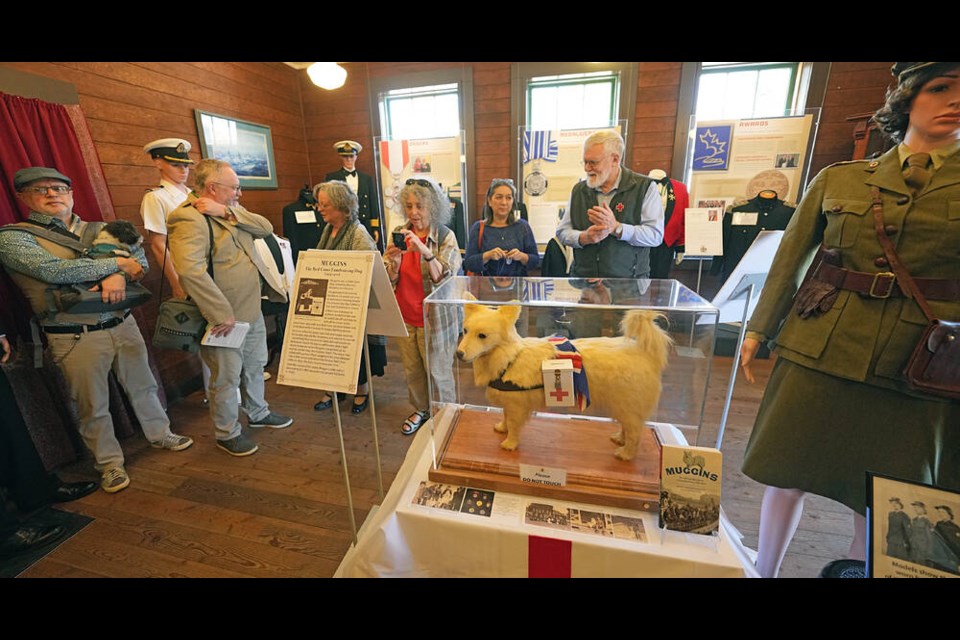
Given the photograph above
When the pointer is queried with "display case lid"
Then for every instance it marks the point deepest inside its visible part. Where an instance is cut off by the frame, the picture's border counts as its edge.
(572, 292)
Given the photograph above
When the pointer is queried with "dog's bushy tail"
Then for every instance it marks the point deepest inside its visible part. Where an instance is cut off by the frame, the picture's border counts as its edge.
(641, 325)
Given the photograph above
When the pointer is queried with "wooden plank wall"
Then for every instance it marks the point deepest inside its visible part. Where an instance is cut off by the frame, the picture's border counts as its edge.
(852, 88)
(128, 104)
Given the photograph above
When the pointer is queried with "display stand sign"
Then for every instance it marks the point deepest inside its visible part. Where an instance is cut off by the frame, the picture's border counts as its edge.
(331, 309)
(439, 159)
(735, 159)
(326, 321)
(551, 162)
(912, 529)
(690, 479)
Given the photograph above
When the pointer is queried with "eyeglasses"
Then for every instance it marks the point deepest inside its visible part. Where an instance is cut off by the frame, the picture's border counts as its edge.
(42, 191)
(420, 182)
(235, 189)
(590, 164)
(496, 182)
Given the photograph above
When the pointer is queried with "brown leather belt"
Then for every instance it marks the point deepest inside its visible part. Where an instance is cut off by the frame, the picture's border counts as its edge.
(884, 283)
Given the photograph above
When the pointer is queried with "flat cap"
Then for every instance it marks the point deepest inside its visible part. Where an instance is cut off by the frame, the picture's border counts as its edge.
(25, 176)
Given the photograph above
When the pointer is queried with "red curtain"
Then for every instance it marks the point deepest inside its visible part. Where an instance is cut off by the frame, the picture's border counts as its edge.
(34, 133)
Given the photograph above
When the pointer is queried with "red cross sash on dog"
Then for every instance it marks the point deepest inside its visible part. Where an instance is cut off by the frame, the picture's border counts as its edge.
(565, 349)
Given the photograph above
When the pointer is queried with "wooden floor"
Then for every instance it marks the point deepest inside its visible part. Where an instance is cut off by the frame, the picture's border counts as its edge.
(283, 511)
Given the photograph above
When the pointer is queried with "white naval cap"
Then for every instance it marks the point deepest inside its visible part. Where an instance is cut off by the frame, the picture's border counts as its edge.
(169, 149)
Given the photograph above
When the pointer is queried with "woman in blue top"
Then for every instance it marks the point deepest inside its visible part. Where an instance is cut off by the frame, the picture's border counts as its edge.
(501, 244)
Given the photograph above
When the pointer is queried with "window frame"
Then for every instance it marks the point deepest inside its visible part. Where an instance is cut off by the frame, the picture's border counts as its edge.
(611, 77)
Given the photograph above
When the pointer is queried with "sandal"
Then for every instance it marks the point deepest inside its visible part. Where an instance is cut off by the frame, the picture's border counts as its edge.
(414, 422)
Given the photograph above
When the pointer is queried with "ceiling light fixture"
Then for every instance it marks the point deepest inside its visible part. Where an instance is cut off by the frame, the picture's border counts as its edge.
(327, 75)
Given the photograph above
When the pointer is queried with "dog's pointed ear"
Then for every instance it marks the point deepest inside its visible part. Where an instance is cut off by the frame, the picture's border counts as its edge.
(470, 309)
(469, 296)
(511, 312)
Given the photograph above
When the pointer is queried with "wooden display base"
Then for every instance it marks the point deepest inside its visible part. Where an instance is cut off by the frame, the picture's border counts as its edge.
(471, 456)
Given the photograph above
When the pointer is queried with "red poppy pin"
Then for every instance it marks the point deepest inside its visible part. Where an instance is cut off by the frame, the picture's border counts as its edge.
(619, 207)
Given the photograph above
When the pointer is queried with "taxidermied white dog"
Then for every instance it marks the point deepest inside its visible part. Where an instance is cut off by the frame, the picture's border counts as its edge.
(623, 373)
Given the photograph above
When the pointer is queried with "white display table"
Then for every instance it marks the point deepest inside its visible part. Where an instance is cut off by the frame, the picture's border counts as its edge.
(403, 539)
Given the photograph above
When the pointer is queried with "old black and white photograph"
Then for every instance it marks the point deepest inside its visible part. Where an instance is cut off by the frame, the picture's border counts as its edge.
(546, 515)
(440, 496)
(913, 530)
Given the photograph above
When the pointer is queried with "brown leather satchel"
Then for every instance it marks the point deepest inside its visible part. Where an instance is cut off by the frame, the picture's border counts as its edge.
(934, 365)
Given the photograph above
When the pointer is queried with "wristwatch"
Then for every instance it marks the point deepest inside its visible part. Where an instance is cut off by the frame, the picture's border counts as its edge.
(619, 230)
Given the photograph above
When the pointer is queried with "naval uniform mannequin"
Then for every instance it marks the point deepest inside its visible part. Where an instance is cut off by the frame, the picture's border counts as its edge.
(743, 222)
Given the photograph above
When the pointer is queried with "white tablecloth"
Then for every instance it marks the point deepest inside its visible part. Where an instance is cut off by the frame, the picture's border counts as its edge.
(403, 539)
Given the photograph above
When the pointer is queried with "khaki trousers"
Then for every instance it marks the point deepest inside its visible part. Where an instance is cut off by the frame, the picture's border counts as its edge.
(232, 369)
(86, 360)
(413, 353)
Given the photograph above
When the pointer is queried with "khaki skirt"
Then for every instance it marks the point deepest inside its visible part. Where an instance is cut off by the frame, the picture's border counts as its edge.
(821, 434)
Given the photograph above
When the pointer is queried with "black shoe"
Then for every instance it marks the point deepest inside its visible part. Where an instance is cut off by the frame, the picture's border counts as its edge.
(324, 404)
(360, 408)
(845, 569)
(73, 491)
(30, 537)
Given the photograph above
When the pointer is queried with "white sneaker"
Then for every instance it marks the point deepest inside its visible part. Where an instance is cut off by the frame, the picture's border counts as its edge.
(173, 442)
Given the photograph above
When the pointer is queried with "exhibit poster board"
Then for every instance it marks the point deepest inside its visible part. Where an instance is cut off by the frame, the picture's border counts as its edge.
(439, 159)
(551, 164)
(736, 159)
(912, 530)
(326, 321)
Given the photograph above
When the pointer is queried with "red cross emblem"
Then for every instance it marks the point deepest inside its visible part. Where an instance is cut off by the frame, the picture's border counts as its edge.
(619, 207)
(559, 394)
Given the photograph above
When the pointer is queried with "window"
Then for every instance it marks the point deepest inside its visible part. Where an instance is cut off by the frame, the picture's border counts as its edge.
(421, 112)
(573, 101)
(736, 90)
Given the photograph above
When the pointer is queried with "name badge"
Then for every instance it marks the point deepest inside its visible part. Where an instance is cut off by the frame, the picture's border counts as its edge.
(744, 218)
(306, 216)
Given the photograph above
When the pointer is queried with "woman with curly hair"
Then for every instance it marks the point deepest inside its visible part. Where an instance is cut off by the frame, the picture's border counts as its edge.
(430, 255)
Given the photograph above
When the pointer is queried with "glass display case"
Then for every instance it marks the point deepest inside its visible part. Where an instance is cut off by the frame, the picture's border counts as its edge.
(512, 415)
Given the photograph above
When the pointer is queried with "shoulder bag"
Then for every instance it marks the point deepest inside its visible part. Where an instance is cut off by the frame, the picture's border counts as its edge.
(934, 365)
(180, 325)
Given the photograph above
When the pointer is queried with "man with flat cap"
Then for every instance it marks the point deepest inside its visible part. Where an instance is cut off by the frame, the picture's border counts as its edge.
(47, 250)
(363, 185)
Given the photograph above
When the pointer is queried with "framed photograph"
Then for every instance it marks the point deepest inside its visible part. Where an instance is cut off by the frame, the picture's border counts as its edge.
(911, 529)
(247, 146)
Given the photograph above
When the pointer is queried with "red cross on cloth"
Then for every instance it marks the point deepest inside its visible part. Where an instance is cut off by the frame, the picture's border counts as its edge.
(559, 394)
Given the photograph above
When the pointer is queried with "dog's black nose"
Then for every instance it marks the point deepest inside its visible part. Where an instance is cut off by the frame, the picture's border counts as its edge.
(460, 354)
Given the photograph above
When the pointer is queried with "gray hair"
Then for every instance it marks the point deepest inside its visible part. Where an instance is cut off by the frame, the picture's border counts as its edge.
(206, 171)
(341, 196)
(611, 140)
(428, 193)
(488, 212)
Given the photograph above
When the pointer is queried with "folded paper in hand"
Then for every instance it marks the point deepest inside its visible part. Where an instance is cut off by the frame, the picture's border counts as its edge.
(233, 339)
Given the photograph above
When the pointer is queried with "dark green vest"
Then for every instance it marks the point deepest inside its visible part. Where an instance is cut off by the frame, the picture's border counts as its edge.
(611, 258)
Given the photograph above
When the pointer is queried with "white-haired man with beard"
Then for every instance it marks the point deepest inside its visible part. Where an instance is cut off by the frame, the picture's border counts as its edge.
(614, 216)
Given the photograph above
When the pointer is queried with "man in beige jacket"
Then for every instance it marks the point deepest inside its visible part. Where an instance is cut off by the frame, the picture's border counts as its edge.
(228, 292)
